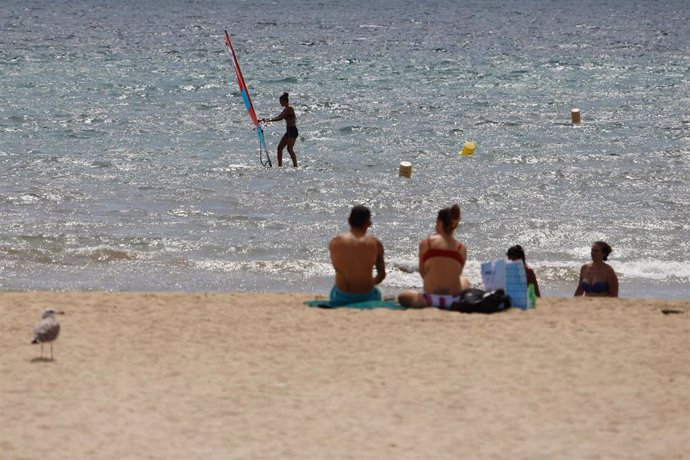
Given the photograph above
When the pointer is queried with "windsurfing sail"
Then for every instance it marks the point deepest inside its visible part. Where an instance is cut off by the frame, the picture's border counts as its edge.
(263, 150)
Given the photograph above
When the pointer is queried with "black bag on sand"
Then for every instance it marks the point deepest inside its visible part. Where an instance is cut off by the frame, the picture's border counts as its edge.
(478, 301)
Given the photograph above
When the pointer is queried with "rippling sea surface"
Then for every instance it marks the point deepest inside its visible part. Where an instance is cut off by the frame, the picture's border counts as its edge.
(127, 161)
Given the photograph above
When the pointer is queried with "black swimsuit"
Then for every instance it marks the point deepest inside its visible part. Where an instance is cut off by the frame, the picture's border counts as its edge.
(291, 132)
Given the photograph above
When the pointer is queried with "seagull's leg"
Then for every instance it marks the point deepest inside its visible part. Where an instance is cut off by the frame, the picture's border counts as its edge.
(51, 351)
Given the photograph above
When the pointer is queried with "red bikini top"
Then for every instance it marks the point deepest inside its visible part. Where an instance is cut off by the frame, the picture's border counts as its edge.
(453, 254)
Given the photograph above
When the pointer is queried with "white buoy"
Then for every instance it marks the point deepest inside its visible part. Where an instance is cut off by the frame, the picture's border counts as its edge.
(405, 169)
(575, 116)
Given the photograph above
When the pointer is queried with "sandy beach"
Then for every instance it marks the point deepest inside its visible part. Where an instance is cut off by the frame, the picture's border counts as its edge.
(224, 376)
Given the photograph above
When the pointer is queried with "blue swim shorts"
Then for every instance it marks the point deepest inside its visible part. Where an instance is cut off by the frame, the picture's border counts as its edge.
(340, 298)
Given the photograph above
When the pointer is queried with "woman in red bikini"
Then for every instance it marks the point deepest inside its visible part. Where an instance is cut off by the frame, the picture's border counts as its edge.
(441, 260)
(597, 278)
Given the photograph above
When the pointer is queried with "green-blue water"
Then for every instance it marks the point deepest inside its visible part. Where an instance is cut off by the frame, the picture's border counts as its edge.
(127, 161)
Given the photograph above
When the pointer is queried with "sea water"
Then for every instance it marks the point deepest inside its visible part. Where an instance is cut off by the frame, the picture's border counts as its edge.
(127, 160)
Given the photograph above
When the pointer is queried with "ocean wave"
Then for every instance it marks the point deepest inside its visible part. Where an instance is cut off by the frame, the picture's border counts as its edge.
(61, 256)
(654, 270)
(105, 254)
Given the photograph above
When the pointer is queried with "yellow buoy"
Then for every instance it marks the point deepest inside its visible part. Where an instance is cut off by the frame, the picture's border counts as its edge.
(405, 169)
(467, 149)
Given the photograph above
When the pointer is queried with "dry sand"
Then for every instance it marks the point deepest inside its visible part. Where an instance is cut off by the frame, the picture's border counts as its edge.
(223, 376)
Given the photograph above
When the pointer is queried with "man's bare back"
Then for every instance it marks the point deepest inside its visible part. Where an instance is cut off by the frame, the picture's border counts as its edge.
(355, 255)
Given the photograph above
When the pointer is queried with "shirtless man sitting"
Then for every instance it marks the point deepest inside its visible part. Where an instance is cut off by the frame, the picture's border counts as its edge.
(354, 254)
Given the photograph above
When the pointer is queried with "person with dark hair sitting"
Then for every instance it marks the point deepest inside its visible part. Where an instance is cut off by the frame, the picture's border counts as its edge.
(355, 255)
(441, 261)
(517, 253)
(597, 278)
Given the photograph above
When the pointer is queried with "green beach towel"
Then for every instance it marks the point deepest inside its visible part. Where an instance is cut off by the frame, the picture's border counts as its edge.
(368, 305)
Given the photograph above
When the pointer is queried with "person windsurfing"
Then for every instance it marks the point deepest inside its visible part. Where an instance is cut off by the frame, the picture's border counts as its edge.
(290, 136)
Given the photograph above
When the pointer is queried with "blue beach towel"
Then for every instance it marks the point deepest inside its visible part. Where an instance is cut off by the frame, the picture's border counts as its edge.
(368, 305)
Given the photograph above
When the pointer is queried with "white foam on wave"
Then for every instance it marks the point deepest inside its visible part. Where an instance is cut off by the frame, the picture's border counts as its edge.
(658, 270)
(404, 273)
(400, 279)
(300, 268)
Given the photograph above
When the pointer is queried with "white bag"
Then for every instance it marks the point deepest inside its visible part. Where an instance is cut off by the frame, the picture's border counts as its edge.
(494, 275)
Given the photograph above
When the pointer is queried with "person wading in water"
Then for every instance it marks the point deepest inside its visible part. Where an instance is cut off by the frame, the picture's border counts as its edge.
(290, 136)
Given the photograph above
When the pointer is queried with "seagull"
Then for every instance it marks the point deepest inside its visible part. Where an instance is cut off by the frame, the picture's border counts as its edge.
(47, 329)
